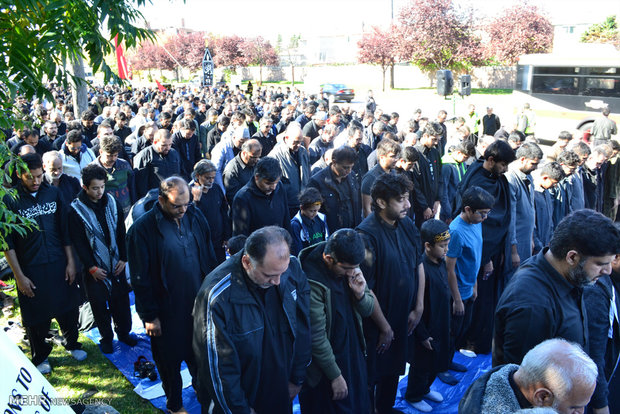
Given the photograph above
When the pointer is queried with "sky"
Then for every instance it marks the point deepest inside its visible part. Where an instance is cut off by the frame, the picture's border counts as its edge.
(268, 18)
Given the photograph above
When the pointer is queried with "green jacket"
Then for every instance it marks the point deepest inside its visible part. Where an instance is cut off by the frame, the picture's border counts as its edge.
(323, 359)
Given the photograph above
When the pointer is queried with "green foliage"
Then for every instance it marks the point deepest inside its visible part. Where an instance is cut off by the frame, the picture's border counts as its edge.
(38, 41)
(605, 32)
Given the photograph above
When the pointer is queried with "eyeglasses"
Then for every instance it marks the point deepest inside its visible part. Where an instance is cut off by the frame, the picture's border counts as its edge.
(482, 214)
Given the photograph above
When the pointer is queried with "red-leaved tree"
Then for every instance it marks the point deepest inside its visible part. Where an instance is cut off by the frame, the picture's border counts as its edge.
(518, 30)
(187, 48)
(437, 35)
(258, 51)
(378, 47)
(226, 51)
(148, 56)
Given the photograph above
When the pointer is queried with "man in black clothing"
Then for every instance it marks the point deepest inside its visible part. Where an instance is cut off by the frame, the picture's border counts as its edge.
(97, 229)
(388, 153)
(354, 140)
(121, 129)
(187, 145)
(593, 177)
(544, 298)
(50, 128)
(442, 138)
(496, 248)
(312, 129)
(89, 128)
(252, 328)
(490, 123)
(394, 273)
(428, 175)
(68, 186)
(265, 136)
(165, 121)
(215, 135)
(169, 251)
(337, 378)
(340, 191)
(262, 201)
(31, 137)
(43, 265)
(155, 163)
(240, 169)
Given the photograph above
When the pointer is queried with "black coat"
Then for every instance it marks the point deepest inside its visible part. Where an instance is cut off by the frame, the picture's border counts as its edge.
(189, 153)
(252, 209)
(151, 168)
(236, 175)
(339, 210)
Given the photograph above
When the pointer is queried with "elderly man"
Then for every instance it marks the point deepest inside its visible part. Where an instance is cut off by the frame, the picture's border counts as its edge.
(226, 150)
(241, 169)
(169, 253)
(265, 135)
(322, 143)
(544, 298)
(555, 373)
(75, 155)
(252, 328)
(295, 164)
(156, 163)
(312, 129)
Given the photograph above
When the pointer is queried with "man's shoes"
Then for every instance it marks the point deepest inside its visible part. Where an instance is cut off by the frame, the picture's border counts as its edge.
(458, 367)
(468, 353)
(106, 347)
(44, 367)
(78, 354)
(433, 396)
(182, 410)
(447, 378)
(129, 339)
(422, 406)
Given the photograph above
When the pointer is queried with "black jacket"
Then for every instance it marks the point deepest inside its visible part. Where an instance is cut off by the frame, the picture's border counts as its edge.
(253, 209)
(149, 275)
(229, 327)
(268, 141)
(471, 403)
(151, 168)
(236, 175)
(340, 211)
(189, 152)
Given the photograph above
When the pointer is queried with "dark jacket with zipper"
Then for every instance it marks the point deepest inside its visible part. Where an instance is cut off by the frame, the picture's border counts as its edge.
(253, 209)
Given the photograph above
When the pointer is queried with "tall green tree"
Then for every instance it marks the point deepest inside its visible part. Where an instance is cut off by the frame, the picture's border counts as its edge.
(40, 41)
(605, 32)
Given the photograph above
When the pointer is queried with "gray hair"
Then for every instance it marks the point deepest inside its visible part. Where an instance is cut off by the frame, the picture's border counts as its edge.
(558, 365)
(202, 167)
(251, 145)
(50, 156)
(537, 410)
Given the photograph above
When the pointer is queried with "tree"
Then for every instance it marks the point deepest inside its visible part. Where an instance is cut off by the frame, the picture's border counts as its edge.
(149, 56)
(226, 51)
(38, 41)
(518, 30)
(606, 32)
(436, 35)
(187, 48)
(258, 51)
(378, 47)
(291, 53)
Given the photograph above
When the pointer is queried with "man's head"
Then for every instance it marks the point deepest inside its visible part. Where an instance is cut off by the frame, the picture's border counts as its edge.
(516, 139)
(557, 374)
(441, 116)
(267, 174)
(239, 136)
(73, 142)
(569, 161)
(408, 157)
(174, 197)
(109, 148)
(497, 156)
(31, 178)
(188, 127)
(549, 175)
(528, 156)
(310, 201)
(582, 150)
(344, 251)
(88, 119)
(476, 204)
(564, 138)
(584, 243)
(343, 160)
(293, 137)
(52, 165)
(30, 137)
(265, 124)
(51, 129)
(354, 135)
(320, 118)
(162, 142)
(266, 256)
(463, 150)
(430, 135)
(377, 128)
(435, 235)
(204, 173)
(104, 130)
(597, 158)
(250, 152)
(390, 196)
(329, 133)
(94, 178)
(388, 152)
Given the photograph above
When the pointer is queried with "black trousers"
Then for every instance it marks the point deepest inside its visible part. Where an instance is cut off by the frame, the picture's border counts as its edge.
(422, 373)
(40, 348)
(117, 299)
(460, 326)
(384, 394)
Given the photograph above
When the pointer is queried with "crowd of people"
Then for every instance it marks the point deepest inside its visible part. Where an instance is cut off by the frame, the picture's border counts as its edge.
(283, 245)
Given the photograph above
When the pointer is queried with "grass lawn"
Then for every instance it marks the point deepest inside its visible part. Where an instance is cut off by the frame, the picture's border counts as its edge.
(96, 376)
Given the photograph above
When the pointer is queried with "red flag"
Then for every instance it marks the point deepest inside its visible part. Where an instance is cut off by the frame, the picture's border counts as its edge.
(160, 86)
(123, 73)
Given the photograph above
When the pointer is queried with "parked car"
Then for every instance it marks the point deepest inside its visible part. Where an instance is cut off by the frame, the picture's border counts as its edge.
(338, 91)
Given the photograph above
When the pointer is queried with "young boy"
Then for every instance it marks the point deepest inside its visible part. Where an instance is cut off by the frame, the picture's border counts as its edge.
(464, 259)
(433, 352)
(308, 227)
(549, 176)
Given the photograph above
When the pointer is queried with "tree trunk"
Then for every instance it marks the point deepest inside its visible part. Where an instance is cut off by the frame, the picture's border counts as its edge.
(260, 74)
(80, 95)
(383, 84)
(293, 74)
(392, 76)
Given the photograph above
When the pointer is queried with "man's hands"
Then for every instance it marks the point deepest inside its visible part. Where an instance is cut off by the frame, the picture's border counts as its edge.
(25, 285)
(196, 192)
(293, 390)
(412, 321)
(120, 266)
(427, 343)
(70, 272)
(436, 205)
(427, 214)
(153, 328)
(98, 273)
(385, 340)
(357, 283)
(339, 388)
(458, 308)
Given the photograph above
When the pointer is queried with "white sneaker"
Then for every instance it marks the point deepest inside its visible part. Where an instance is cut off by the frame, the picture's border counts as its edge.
(78, 354)
(421, 406)
(433, 396)
(468, 353)
(44, 367)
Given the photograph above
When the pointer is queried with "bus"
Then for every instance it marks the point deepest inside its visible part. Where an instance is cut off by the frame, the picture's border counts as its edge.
(575, 81)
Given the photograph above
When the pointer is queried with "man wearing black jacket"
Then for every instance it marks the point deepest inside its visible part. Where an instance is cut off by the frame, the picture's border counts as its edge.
(187, 145)
(240, 169)
(97, 229)
(428, 176)
(252, 330)
(169, 250)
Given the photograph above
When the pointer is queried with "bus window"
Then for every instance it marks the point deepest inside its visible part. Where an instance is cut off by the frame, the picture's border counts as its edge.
(555, 84)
